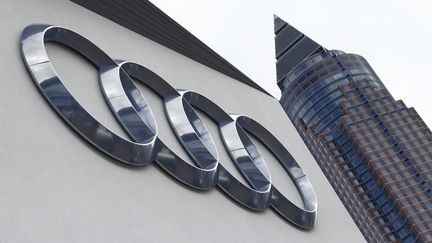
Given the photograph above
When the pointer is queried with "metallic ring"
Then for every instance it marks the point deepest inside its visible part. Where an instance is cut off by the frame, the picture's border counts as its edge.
(191, 131)
(203, 178)
(306, 217)
(256, 198)
(46, 79)
(258, 173)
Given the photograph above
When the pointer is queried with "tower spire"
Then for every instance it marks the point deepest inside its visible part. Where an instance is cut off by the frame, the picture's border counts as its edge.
(292, 47)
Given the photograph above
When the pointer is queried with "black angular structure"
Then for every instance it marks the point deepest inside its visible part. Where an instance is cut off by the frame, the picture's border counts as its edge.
(292, 47)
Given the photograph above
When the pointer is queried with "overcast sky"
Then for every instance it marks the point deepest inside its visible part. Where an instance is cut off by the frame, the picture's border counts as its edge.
(395, 36)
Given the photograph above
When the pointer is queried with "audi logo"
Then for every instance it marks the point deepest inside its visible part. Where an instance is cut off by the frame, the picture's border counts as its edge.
(145, 147)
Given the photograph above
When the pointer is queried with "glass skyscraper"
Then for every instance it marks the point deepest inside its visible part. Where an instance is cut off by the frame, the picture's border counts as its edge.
(375, 151)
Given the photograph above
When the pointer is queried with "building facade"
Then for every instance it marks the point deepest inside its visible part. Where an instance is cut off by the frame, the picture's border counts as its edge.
(57, 187)
(375, 151)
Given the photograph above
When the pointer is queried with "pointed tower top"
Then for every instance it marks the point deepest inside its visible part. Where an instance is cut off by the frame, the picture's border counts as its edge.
(292, 47)
(278, 23)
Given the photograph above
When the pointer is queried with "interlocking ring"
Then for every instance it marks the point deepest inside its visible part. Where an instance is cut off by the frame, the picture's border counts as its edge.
(135, 116)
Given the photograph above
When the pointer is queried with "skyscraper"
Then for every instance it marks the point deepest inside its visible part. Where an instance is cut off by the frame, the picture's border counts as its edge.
(375, 151)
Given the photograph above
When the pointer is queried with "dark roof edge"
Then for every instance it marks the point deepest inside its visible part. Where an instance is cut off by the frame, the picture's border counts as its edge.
(146, 19)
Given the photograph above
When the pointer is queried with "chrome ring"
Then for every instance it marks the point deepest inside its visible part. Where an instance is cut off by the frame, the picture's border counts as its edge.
(256, 197)
(203, 177)
(46, 79)
(306, 217)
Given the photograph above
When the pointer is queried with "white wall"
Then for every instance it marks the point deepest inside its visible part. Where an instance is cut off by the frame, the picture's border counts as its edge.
(56, 187)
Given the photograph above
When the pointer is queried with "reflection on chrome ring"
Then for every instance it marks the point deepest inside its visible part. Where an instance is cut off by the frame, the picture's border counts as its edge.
(135, 116)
